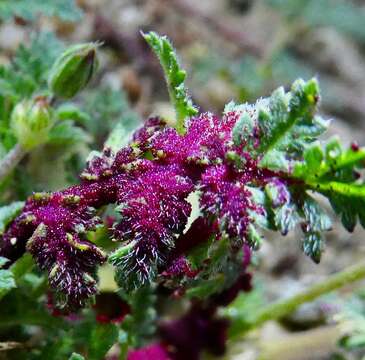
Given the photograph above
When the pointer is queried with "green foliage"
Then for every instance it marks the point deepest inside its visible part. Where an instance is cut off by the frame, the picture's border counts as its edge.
(24, 77)
(285, 123)
(140, 324)
(288, 124)
(75, 356)
(66, 133)
(111, 115)
(244, 308)
(332, 171)
(103, 336)
(218, 272)
(8, 213)
(286, 128)
(29, 9)
(175, 78)
(6, 279)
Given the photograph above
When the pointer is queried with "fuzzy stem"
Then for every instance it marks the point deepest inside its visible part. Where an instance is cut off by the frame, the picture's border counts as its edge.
(284, 307)
(11, 160)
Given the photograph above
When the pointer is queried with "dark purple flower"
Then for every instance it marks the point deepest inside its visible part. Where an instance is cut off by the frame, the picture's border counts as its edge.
(149, 180)
(196, 331)
(110, 308)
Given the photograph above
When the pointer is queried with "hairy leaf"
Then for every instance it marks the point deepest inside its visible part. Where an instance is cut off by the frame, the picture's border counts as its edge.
(175, 78)
(333, 171)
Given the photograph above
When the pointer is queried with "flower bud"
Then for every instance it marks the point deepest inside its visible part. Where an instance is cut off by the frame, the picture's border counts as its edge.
(73, 70)
(31, 121)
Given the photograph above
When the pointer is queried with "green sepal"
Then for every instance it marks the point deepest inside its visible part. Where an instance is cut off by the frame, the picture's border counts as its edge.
(72, 71)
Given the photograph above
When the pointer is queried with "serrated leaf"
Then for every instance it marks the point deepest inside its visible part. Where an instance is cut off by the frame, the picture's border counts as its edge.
(332, 171)
(175, 77)
(288, 124)
(286, 217)
(313, 244)
(316, 217)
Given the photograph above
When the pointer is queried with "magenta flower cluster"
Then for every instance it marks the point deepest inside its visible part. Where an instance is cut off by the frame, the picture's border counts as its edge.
(150, 181)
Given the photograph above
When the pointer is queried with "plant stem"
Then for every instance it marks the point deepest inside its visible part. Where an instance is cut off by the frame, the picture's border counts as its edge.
(11, 160)
(284, 307)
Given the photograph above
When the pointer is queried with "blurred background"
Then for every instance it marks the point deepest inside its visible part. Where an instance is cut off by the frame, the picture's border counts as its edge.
(232, 50)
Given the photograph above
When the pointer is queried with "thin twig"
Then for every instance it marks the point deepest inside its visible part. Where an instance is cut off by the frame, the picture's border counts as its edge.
(285, 307)
(11, 160)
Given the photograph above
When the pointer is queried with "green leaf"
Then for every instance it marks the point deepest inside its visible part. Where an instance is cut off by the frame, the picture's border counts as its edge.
(66, 132)
(22, 266)
(75, 356)
(254, 238)
(244, 125)
(278, 129)
(118, 138)
(25, 76)
(69, 111)
(6, 279)
(313, 244)
(333, 171)
(111, 114)
(286, 217)
(244, 308)
(175, 77)
(8, 213)
(316, 217)
(103, 337)
(287, 124)
(317, 221)
(207, 287)
(140, 324)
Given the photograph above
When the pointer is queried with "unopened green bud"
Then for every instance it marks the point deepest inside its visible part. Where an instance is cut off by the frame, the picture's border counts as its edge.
(73, 70)
(31, 121)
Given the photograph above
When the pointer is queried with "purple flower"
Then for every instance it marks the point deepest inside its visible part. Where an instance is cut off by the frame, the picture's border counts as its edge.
(154, 351)
(150, 181)
(196, 331)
